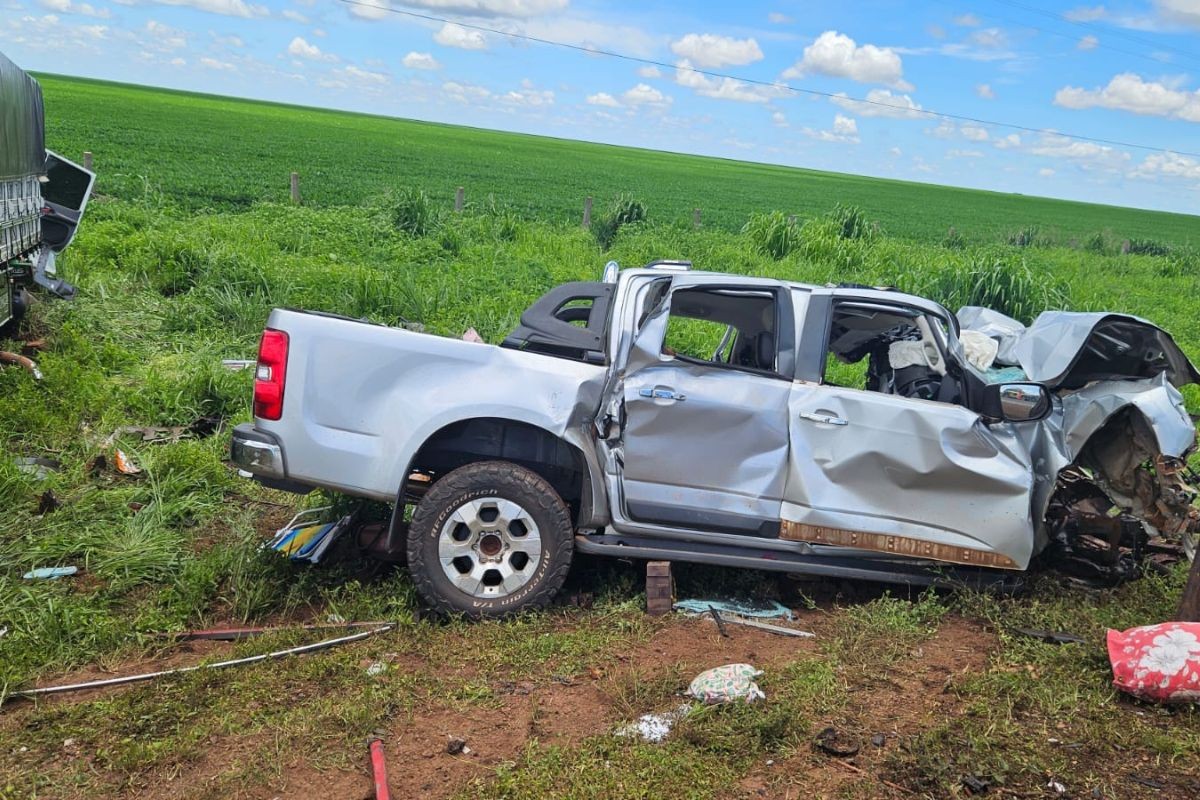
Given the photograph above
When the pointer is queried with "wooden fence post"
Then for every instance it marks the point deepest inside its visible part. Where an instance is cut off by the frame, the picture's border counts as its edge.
(587, 212)
(295, 187)
(87, 160)
(459, 196)
(696, 218)
(1189, 604)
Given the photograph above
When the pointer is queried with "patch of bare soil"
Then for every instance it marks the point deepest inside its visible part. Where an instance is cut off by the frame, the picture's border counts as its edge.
(891, 705)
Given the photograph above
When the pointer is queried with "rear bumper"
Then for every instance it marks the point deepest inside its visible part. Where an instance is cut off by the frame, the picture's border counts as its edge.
(259, 455)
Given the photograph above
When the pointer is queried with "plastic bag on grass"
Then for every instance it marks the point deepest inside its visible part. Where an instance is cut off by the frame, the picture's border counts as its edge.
(1159, 663)
(726, 684)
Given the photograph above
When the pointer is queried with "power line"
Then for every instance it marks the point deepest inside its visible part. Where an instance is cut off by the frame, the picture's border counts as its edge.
(1107, 31)
(905, 110)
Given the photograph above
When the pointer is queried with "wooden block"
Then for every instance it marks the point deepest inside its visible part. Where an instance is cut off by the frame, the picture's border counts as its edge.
(660, 588)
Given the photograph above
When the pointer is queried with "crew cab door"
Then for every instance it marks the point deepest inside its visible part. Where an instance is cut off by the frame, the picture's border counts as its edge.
(879, 471)
(705, 393)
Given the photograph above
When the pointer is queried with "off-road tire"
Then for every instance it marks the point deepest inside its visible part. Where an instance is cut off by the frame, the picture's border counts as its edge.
(479, 480)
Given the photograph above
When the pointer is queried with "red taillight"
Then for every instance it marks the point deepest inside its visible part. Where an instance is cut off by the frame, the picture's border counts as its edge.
(271, 374)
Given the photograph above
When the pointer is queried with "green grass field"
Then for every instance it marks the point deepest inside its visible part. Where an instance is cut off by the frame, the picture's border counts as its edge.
(188, 246)
(204, 152)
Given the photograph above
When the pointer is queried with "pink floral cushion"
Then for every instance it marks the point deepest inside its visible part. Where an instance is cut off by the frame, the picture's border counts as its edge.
(1160, 663)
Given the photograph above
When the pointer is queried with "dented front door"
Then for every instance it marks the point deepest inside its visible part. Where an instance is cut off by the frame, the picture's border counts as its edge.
(899, 476)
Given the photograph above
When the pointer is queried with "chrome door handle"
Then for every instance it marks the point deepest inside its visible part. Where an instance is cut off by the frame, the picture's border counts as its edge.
(661, 394)
(828, 419)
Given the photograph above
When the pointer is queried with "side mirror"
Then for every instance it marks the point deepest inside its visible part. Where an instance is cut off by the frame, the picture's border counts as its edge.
(1017, 402)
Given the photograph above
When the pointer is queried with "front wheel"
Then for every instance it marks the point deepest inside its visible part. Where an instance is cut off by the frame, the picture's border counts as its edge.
(489, 539)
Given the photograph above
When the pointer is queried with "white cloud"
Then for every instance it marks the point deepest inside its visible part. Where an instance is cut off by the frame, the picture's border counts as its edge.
(895, 151)
(603, 99)
(465, 92)
(650, 71)
(300, 48)
(1087, 13)
(1088, 42)
(776, 18)
(368, 9)
(1128, 92)
(228, 41)
(845, 129)
(968, 21)
(532, 98)
(228, 8)
(989, 39)
(778, 119)
(1184, 12)
(881, 103)
(71, 7)
(646, 95)
(452, 35)
(213, 63)
(974, 133)
(179, 62)
(1168, 165)
(724, 88)
(415, 60)
(1086, 154)
(709, 50)
(294, 15)
(1010, 142)
(837, 55)
(362, 76)
(985, 91)
(1045, 172)
(964, 154)
(165, 36)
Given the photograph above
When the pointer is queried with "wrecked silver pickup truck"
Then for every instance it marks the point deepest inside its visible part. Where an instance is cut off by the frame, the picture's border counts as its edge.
(669, 414)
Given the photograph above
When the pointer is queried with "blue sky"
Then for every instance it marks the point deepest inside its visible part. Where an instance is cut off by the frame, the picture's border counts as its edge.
(1126, 70)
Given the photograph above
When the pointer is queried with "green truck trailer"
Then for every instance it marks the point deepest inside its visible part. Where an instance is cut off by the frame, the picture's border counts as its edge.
(42, 196)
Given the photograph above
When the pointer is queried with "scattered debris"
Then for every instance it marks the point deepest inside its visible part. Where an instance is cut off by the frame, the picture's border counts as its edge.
(1050, 637)
(21, 361)
(308, 540)
(835, 743)
(36, 466)
(1149, 782)
(472, 335)
(1159, 663)
(716, 615)
(50, 573)
(975, 785)
(235, 364)
(654, 728)
(877, 740)
(146, 676)
(726, 684)
(376, 668)
(660, 588)
(759, 610)
(237, 634)
(456, 746)
(124, 464)
(378, 768)
(48, 503)
(1056, 787)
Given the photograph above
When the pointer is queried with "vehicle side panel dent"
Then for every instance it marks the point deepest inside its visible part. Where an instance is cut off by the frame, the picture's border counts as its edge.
(954, 482)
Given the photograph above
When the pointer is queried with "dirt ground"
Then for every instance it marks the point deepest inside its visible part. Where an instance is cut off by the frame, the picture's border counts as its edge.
(565, 709)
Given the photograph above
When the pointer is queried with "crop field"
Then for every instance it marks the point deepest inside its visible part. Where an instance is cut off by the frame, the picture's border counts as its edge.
(209, 153)
(185, 250)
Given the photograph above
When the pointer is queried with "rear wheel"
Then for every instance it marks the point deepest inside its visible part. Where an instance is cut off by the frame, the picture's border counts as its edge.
(489, 539)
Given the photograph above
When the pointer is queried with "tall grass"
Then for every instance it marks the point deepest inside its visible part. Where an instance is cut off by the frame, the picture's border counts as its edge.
(995, 280)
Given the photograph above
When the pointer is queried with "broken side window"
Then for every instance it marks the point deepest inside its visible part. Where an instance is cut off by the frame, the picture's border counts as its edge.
(724, 327)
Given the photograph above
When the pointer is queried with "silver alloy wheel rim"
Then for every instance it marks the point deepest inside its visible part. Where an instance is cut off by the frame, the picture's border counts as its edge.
(490, 547)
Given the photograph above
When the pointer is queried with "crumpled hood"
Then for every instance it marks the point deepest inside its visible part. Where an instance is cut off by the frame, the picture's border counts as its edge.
(1069, 349)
